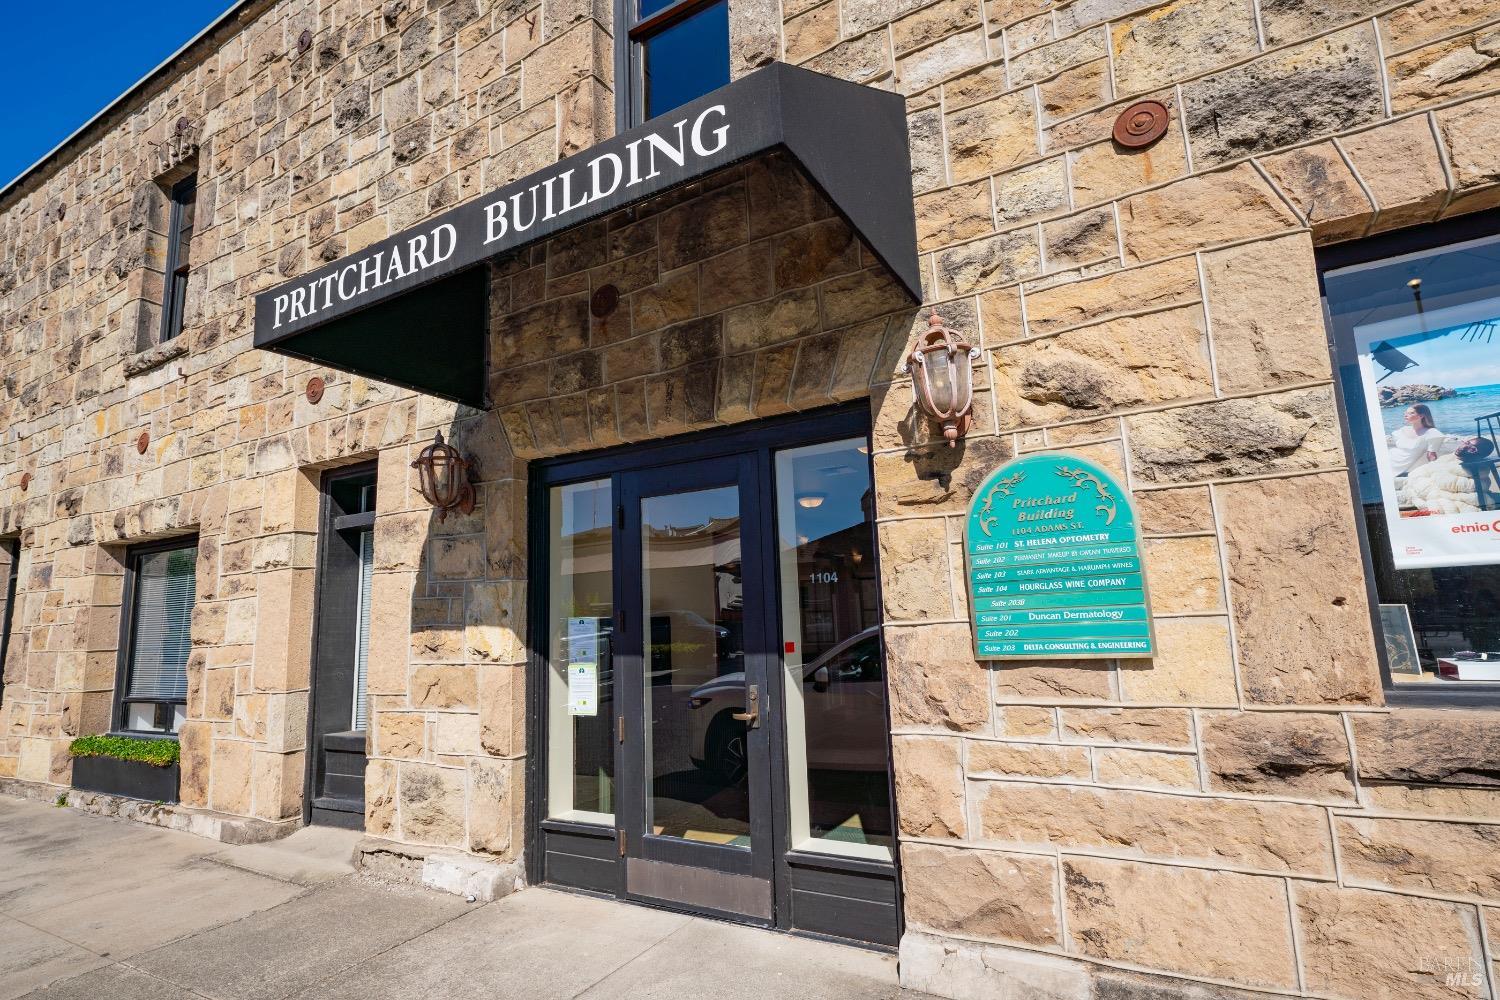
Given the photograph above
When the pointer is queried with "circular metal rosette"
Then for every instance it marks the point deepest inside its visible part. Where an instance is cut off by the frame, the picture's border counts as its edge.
(1141, 124)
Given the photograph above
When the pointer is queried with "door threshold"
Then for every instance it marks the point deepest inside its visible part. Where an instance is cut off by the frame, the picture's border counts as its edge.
(344, 819)
(695, 889)
(720, 917)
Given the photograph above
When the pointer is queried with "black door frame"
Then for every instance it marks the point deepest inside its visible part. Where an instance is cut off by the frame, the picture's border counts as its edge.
(332, 642)
(864, 896)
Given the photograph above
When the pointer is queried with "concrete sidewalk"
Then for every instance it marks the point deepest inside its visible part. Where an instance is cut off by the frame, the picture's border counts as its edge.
(94, 908)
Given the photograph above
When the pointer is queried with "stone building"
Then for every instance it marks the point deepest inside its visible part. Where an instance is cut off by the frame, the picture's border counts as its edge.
(703, 636)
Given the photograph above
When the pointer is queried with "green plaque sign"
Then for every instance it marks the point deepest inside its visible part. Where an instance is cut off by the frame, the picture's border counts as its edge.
(1054, 564)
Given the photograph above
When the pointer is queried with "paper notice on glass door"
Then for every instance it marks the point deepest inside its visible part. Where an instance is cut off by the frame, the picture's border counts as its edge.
(583, 689)
(583, 640)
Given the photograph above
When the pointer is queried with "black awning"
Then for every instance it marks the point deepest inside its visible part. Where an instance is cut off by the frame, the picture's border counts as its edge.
(430, 331)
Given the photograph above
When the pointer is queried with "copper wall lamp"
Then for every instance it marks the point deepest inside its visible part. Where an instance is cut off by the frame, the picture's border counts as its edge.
(942, 377)
(444, 477)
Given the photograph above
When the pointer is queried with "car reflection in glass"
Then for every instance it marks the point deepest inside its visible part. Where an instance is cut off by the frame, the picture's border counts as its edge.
(843, 704)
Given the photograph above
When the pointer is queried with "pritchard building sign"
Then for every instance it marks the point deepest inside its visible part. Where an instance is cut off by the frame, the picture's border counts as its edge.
(850, 140)
(537, 207)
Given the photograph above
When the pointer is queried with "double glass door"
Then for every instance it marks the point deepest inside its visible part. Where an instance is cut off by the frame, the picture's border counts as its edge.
(715, 698)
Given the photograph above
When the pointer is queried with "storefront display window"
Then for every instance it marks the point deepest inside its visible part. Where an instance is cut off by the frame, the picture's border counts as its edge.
(580, 698)
(1419, 366)
(830, 620)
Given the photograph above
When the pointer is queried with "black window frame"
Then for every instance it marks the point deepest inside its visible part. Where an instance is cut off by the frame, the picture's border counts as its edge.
(128, 608)
(630, 63)
(175, 276)
(8, 607)
(1371, 250)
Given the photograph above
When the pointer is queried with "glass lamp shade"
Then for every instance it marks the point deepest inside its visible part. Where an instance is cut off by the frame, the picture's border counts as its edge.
(942, 371)
(443, 477)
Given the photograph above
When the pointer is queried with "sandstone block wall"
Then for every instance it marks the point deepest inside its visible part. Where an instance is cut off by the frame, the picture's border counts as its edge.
(1243, 812)
(740, 296)
(1230, 812)
(315, 127)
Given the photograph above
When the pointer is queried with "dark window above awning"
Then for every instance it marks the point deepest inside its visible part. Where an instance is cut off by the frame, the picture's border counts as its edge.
(412, 309)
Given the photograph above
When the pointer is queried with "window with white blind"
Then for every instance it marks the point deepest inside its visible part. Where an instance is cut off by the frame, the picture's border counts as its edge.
(362, 625)
(161, 585)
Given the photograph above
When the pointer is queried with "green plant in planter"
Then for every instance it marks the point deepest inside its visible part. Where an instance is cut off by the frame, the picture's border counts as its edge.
(157, 753)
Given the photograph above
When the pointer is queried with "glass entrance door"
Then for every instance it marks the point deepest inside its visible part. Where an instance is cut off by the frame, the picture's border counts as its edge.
(694, 651)
(709, 691)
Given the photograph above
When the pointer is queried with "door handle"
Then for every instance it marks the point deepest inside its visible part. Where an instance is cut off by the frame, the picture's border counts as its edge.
(751, 714)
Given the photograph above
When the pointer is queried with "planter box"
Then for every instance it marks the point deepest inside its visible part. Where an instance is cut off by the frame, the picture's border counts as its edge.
(130, 778)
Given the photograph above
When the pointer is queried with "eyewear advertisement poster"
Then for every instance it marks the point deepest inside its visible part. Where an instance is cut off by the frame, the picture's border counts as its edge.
(1431, 386)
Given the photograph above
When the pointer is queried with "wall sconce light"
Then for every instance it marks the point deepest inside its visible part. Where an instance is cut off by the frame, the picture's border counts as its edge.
(443, 476)
(942, 377)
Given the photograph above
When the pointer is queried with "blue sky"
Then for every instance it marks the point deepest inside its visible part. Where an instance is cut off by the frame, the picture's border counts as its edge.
(1449, 359)
(61, 64)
